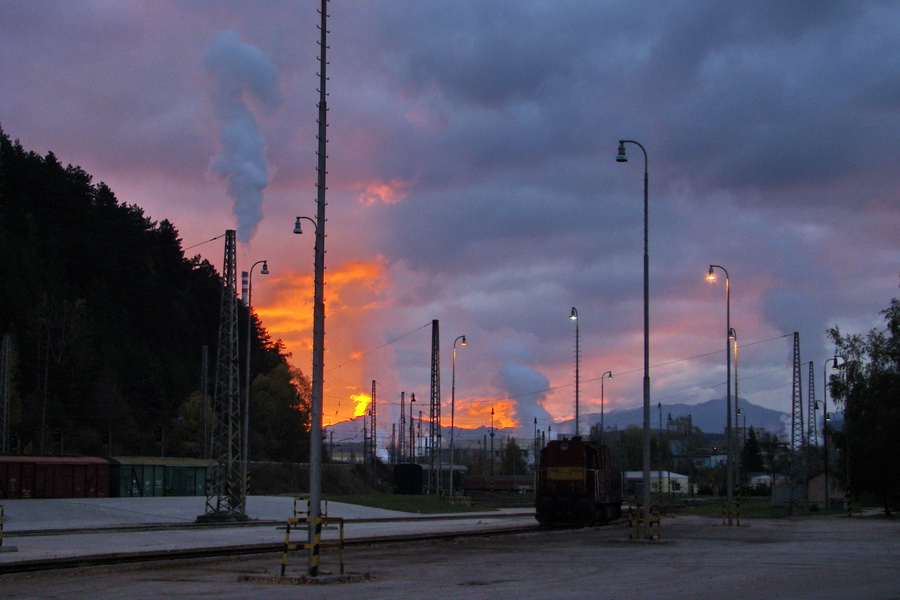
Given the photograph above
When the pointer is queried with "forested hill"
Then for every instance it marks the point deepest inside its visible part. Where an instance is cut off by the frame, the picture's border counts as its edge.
(107, 320)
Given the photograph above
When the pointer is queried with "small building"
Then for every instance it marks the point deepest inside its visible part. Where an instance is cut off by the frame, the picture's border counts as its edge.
(669, 483)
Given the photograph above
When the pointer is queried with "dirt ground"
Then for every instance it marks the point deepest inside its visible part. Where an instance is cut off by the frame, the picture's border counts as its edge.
(696, 557)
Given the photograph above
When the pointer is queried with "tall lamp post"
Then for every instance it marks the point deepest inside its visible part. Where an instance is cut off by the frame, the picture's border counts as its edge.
(318, 371)
(622, 157)
(462, 342)
(245, 421)
(732, 335)
(574, 316)
(834, 367)
(603, 402)
(711, 277)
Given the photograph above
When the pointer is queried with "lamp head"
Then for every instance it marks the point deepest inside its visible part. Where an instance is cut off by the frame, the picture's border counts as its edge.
(412, 397)
(574, 314)
(711, 276)
(834, 364)
(297, 227)
(265, 269)
(621, 156)
(462, 342)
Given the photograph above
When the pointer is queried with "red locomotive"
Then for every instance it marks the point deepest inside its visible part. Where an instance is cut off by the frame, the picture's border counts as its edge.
(577, 486)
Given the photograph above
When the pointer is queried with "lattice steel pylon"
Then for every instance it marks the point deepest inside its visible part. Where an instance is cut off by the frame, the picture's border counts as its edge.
(435, 441)
(373, 422)
(226, 493)
(401, 445)
(812, 429)
(798, 472)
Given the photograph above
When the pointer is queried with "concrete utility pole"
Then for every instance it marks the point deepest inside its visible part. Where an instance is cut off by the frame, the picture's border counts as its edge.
(435, 430)
(318, 366)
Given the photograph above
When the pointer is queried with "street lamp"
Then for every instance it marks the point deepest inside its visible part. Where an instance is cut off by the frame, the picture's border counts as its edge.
(671, 464)
(603, 401)
(462, 342)
(834, 367)
(711, 277)
(574, 316)
(659, 451)
(245, 454)
(318, 371)
(622, 157)
(732, 335)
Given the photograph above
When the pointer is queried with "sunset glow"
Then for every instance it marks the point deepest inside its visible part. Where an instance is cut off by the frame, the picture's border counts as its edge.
(362, 404)
(477, 413)
(388, 192)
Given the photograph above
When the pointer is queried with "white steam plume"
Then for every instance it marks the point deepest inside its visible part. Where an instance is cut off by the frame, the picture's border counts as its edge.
(241, 70)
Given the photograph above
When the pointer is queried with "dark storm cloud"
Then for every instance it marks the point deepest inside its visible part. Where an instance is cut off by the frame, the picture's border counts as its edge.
(771, 129)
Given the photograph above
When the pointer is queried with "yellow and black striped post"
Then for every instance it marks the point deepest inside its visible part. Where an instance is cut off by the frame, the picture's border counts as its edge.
(288, 546)
(314, 546)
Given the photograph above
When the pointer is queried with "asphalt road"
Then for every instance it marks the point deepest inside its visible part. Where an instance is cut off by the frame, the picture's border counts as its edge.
(697, 558)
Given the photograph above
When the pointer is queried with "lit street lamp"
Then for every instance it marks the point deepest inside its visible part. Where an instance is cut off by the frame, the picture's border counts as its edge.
(574, 316)
(729, 445)
(462, 342)
(603, 402)
(622, 157)
(732, 335)
(245, 454)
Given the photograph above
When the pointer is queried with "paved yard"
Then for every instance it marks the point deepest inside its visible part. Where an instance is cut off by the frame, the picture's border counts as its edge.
(697, 558)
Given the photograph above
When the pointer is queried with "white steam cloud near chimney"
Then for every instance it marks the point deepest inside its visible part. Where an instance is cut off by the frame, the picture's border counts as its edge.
(242, 72)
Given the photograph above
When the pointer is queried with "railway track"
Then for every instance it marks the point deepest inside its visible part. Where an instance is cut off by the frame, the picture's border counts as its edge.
(180, 554)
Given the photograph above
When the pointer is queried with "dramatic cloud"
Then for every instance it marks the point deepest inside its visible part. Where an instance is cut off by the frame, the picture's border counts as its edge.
(472, 178)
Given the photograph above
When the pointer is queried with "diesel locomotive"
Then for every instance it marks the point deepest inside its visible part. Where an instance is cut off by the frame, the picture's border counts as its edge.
(577, 485)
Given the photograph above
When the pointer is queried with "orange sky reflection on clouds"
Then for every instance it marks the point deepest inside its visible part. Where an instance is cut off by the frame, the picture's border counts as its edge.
(352, 291)
(471, 414)
(389, 192)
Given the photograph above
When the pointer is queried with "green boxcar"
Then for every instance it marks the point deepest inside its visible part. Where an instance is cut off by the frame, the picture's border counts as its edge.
(132, 476)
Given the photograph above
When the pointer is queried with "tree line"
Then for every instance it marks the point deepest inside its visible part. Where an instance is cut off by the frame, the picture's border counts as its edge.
(107, 320)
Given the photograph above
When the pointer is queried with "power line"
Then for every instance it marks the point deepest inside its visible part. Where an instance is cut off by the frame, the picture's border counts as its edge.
(206, 242)
(366, 353)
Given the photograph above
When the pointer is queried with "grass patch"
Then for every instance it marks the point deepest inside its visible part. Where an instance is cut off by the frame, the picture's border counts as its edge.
(403, 502)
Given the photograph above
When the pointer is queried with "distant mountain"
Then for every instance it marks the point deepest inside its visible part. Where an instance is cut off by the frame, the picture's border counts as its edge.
(708, 416)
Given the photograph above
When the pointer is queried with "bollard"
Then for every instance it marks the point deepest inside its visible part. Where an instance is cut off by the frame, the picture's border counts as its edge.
(317, 544)
(636, 522)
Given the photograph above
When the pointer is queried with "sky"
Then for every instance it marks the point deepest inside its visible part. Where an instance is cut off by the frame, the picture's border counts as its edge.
(472, 180)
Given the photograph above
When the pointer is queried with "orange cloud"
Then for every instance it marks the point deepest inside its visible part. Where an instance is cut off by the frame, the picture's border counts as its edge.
(352, 291)
(388, 192)
(471, 414)
(362, 404)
